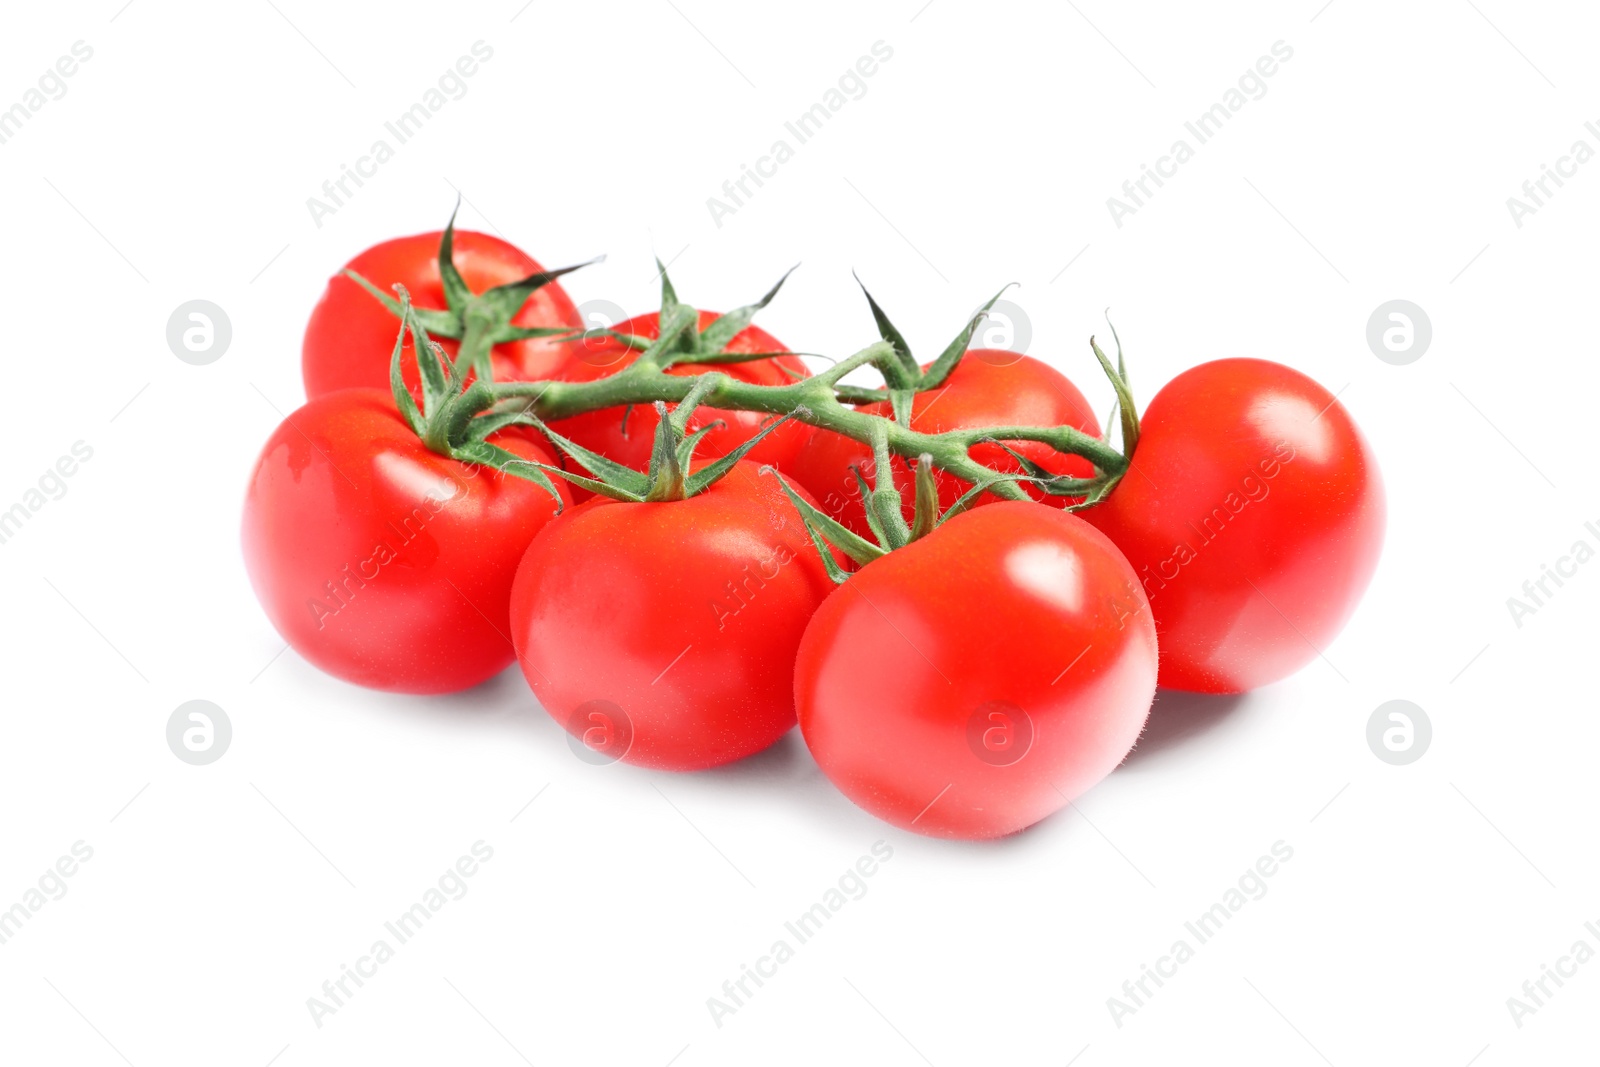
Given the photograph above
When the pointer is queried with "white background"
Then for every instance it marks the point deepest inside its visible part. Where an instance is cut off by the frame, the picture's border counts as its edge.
(1377, 166)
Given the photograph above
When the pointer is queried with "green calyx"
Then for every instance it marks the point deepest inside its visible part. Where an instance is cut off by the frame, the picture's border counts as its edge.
(682, 341)
(671, 475)
(907, 370)
(446, 422)
(881, 499)
(478, 320)
(885, 516)
(905, 377)
(1119, 383)
(1124, 414)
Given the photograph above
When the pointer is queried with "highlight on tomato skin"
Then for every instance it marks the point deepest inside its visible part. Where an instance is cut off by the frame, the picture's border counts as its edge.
(664, 634)
(1253, 512)
(350, 335)
(379, 561)
(989, 387)
(977, 680)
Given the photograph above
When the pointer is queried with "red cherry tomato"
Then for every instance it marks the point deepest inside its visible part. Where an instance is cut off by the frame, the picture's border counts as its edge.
(628, 440)
(664, 634)
(1253, 512)
(978, 679)
(379, 561)
(989, 387)
(350, 337)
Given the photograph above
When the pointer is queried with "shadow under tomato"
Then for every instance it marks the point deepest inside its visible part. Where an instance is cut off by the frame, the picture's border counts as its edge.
(1179, 717)
(786, 759)
(503, 697)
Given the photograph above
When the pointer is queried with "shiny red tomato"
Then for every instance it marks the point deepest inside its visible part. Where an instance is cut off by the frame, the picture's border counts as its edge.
(1253, 512)
(664, 634)
(980, 678)
(989, 387)
(626, 436)
(379, 561)
(350, 337)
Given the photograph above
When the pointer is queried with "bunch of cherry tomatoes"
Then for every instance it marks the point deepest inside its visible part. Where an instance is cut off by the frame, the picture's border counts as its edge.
(682, 583)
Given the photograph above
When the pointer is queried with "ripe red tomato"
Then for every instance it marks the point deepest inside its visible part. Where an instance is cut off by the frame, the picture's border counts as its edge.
(980, 678)
(1253, 512)
(629, 441)
(989, 387)
(381, 562)
(350, 336)
(664, 634)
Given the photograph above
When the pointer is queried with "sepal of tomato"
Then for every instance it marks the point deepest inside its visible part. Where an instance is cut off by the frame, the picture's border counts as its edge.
(351, 333)
(626, 434)
(988, 387)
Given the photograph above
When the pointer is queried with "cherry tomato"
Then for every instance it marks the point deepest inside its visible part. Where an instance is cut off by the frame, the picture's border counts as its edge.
(989, 387)
(350, 337)
(379, 561)
(664, 634)
(1253, 512)
(626, 435)
(978, 679)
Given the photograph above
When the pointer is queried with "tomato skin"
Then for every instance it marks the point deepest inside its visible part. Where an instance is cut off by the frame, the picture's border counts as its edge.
(1012, 603)
(989, 387)
(1253, 512)
(685, 615)
(379, 561)
(629, 443)
(350, 337)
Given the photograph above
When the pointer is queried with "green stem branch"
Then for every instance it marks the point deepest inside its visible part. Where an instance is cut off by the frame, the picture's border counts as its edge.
(814, 401)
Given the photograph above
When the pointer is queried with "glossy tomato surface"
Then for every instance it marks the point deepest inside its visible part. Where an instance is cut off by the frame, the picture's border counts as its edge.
(350, 336)
(989, 387)
(379, 561)
(1253, 512)
(664, 634)
(626, 435)
(979, 679)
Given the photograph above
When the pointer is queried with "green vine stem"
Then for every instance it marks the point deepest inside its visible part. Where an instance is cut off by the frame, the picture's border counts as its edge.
(814, 401)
